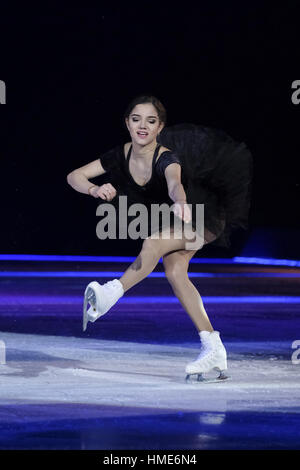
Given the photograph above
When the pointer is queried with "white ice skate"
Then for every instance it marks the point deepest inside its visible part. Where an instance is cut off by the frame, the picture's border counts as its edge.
(212, 357)
(101, 298)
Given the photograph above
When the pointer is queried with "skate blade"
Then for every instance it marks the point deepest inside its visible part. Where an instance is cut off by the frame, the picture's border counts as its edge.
(89, 298)
(199, 378)
(84, 318)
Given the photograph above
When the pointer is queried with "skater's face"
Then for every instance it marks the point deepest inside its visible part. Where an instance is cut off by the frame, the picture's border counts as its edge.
(143, 123)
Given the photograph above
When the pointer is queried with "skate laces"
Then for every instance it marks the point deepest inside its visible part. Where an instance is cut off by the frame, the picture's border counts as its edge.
(110, 286)
(117, 286)
(208, 351)
(205, 353)
(113, 288)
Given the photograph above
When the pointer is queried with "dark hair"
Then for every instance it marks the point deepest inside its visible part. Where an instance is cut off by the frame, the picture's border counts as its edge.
(141, 99)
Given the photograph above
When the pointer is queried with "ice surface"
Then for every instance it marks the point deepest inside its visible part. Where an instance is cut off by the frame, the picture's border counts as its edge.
(121, 385)
(79, 370)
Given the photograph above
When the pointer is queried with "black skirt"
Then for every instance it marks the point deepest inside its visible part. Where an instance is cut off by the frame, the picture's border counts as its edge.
(217, 171)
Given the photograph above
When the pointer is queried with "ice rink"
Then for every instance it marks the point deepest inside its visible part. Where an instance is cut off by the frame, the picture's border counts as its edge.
(121, 384)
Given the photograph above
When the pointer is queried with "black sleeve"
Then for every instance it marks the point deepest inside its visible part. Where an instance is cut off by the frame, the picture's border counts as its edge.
(111, 160)
(165, 159)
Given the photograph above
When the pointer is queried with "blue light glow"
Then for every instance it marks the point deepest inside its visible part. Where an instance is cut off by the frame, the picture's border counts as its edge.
(118, 274)
(269, 261)
(130, 259)
(219, 300)
(44, 299)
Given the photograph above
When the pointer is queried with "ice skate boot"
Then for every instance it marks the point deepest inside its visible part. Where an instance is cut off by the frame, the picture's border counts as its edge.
(101, 298)
(212, 357)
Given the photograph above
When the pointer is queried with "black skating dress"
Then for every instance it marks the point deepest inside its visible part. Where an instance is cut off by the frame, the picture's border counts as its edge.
(215, 171)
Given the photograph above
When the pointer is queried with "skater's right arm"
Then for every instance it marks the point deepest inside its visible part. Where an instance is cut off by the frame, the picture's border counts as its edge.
(79, 180)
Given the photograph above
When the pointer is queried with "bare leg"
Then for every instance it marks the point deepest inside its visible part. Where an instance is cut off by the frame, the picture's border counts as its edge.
(176, 269)
(146, 261)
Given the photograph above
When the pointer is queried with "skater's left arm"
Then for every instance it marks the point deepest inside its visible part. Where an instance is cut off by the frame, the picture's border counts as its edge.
(176, 191)
(175, 188)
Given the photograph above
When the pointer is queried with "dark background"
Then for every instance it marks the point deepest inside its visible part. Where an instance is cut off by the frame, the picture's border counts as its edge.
(70, 72)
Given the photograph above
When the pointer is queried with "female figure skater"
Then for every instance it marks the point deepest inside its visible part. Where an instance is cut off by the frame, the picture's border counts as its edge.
(179, 165)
